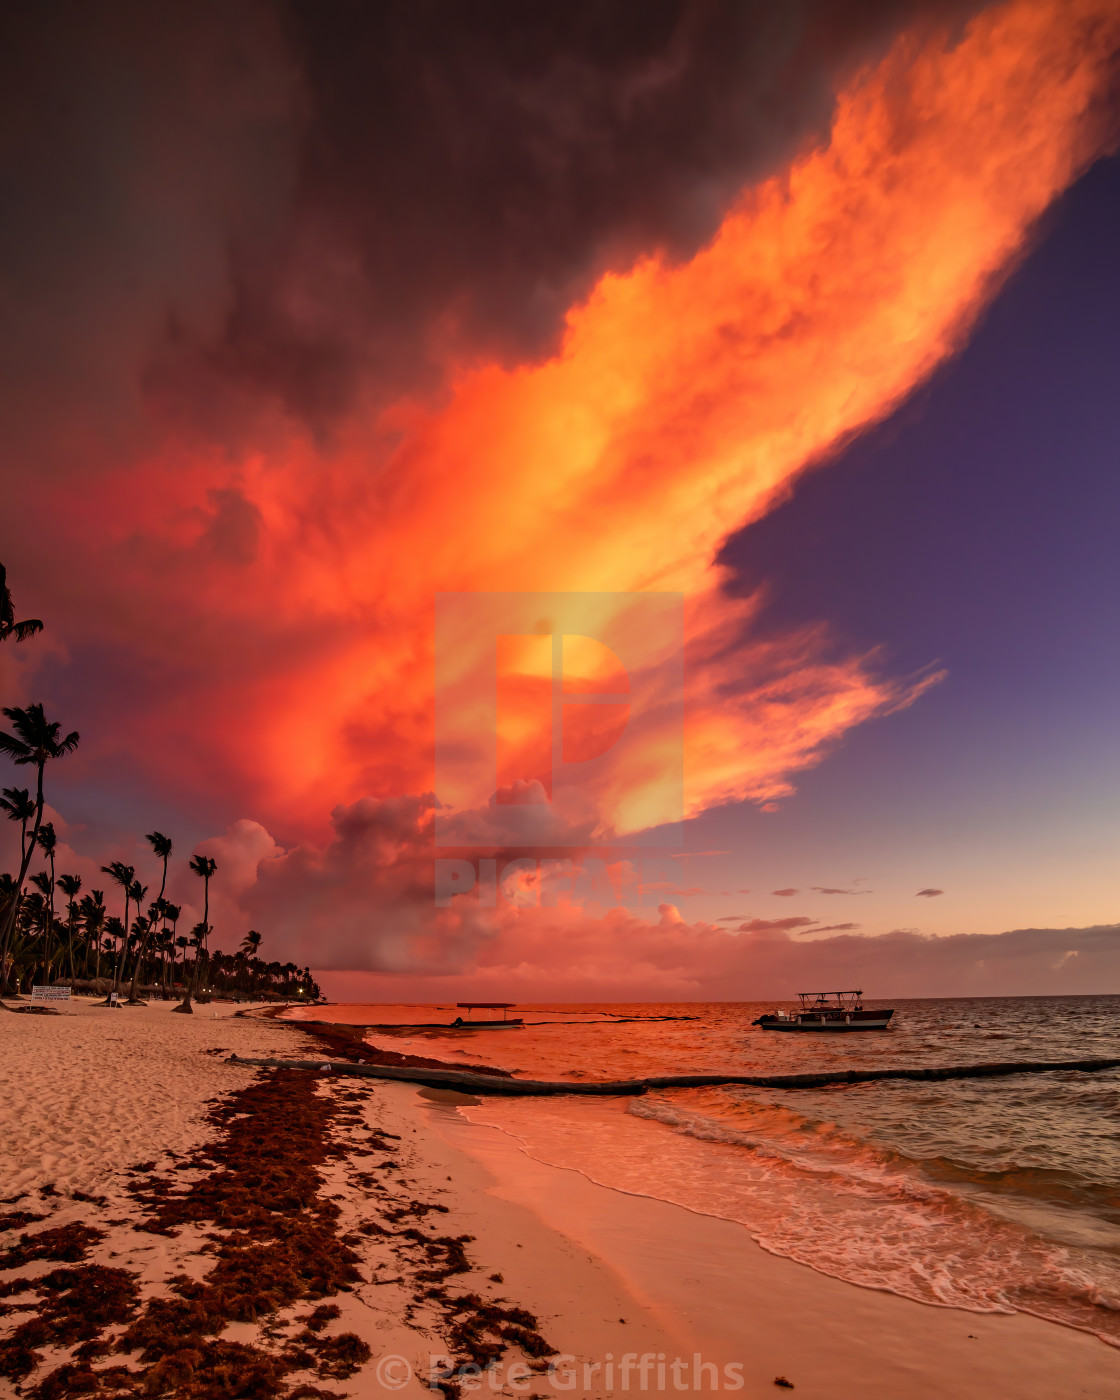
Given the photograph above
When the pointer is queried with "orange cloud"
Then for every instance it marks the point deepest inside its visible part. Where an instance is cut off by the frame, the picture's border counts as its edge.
(291, 614)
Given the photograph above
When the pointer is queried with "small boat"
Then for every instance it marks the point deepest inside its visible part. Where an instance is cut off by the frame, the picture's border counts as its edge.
(491, 1023)
(827, 1011)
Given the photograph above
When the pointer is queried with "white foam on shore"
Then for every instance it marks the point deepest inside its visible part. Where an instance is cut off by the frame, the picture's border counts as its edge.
(824, 1199)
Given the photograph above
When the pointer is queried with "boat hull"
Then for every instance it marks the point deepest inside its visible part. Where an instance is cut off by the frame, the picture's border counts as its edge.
(486, 1025)
(852, 1021)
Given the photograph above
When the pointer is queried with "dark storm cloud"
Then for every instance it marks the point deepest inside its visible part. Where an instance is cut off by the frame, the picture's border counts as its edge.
(293, 197)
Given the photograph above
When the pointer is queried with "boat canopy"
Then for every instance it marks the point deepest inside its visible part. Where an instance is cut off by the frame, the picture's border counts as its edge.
(845, 1001)
(470, 1007)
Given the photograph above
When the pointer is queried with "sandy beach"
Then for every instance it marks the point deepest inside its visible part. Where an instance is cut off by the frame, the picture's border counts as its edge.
(440, 1241)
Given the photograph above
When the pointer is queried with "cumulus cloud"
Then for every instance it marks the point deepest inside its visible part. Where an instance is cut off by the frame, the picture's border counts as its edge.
(929, 894)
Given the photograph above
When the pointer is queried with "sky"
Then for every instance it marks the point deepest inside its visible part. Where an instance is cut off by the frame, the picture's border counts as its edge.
(804, 317)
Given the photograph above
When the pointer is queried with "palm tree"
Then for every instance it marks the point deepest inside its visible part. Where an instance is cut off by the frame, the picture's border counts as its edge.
(114, 932)
(70, 886)
(48, 844)
(250, 943)
(162, 846)
(141, 932)
(171, 913)
(164, 944)
(33, 921)
(19, 807)
(44, 917)
(92, 912)
(145, 928)
(204, 867)
(7, 891)
(9, 627)
(125, 876)
(36, 741)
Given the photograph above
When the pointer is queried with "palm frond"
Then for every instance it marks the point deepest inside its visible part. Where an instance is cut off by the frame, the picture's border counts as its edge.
(159, 843)
(16, 749)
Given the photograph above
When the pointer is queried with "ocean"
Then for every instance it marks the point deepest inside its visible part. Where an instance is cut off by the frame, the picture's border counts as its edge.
(989, 1195)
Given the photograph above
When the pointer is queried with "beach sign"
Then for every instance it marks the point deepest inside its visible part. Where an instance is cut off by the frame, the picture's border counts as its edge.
(50, 993)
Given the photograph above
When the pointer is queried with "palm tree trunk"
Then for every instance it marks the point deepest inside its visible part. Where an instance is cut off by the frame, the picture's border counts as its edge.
(12, 913)
(185, 1007)
(50, 929)
(133, 1000)
(122, 954)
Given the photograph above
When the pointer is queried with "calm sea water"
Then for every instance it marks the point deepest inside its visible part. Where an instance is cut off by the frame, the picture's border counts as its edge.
(995, 1195)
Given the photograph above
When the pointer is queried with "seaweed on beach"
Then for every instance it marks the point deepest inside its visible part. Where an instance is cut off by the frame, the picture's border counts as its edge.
(275, 1239)
(17, 1219)
(315, 1321)
(79, 1378)
(76, 1305)
(481, 1332)
(254, 1196)
(63, 1244)
(84, 1196)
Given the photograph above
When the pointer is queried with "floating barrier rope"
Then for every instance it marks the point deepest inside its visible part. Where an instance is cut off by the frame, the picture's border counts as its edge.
(492, 1084)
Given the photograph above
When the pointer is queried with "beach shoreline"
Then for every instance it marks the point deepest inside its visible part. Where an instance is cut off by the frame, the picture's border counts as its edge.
(92, 1093)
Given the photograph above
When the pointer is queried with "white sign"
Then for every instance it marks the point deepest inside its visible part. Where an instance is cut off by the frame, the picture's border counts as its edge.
(50, 993)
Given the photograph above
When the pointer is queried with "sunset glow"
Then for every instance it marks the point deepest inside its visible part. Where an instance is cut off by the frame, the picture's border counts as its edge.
(274, 588)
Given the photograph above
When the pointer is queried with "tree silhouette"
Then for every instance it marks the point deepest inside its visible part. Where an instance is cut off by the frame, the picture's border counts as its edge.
(171, 914)
(125, 876)
(70, 885)
(9, 627)
(142, 927)
(36, 741)
(48, 844)
(204, 867)
(91, 911)
(162, 846)
(17, 805)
